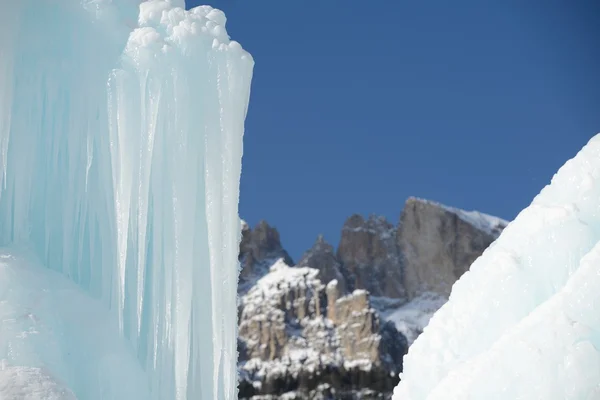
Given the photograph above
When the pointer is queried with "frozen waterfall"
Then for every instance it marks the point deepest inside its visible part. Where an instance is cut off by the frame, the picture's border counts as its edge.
(121, 130)
(524, 322)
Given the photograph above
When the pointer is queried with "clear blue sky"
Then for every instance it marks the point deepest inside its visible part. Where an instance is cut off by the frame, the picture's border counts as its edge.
(357, 105)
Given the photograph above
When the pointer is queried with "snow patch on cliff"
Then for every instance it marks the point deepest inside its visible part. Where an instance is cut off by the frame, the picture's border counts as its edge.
(484, 222)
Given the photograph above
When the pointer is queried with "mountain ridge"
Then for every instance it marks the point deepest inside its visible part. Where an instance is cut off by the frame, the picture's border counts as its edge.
(338, 316)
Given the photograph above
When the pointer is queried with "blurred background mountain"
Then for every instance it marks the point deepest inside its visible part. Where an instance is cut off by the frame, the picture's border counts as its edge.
(336, 323)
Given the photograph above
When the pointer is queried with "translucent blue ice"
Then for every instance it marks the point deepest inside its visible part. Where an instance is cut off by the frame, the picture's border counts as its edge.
(121, 130)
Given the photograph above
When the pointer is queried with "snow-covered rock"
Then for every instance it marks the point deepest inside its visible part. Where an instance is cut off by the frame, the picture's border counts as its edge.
(336, 325)
(289, 344)
(412, 317)
(259, 249)
(322, 257)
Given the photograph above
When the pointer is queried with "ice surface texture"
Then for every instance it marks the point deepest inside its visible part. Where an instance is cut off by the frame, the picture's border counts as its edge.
(524, 322)
(55, 340)
(121, 130)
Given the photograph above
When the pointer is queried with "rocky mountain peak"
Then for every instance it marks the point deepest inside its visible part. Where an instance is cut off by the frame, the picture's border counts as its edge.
(260, 247)
(321, 256)
(439, 243)
(369, 256)
(337, 324)
(485, 223)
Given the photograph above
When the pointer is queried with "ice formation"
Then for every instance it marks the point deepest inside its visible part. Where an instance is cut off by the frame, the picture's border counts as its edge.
(523, 323)
(121, 127)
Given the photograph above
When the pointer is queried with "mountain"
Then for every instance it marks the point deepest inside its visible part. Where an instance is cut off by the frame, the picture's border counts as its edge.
(439, 243)
(338, 323)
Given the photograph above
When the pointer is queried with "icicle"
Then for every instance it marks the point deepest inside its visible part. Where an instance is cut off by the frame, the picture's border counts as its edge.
(120, 150)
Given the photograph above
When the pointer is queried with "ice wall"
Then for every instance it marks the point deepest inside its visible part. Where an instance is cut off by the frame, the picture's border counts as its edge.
(56, 340)
(120, 156)
(523, 323)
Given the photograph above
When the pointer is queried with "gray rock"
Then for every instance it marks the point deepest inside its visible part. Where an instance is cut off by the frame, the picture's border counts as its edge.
(322, 258)
(369, 255)
(259, 249)
(438, 244)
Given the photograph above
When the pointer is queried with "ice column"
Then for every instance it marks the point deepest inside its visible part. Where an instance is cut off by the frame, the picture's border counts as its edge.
(120, 154)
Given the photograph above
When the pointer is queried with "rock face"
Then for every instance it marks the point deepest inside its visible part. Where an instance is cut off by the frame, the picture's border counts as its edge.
(370, 258)
(259, 249)
(322, 258)
(337, 325)
(439, 243)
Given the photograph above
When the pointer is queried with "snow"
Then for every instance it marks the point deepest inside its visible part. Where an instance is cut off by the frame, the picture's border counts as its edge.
(523, 322)
(120, 156)
(263, 299)
(556, 345)
(244, 225)
(411, 318)
(375, 225)
(332, 284)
